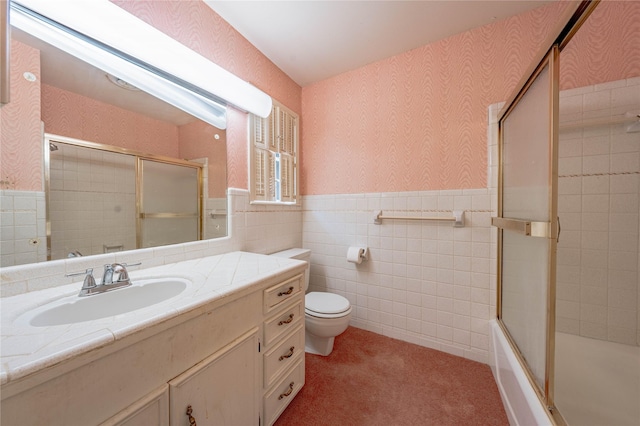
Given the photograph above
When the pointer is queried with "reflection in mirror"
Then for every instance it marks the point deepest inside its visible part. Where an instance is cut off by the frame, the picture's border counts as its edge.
(57, 94)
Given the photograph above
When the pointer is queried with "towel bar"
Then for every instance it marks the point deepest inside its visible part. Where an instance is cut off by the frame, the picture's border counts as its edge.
(457, 219)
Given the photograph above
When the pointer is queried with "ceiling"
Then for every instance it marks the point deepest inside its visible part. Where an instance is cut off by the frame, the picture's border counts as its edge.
(314, 40)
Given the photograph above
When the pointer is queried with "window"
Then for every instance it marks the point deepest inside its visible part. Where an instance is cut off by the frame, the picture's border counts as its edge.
(273, 156)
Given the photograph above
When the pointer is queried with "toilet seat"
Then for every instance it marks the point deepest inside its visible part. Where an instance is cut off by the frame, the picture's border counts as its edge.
(326, 305)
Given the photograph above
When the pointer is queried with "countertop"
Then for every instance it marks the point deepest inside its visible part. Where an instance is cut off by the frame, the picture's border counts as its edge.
(26, 350)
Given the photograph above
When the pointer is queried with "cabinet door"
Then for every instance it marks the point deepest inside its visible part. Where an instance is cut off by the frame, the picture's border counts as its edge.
(223, 389)
(150, 410)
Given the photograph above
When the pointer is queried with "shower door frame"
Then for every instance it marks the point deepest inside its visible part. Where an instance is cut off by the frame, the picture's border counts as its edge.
(575, 16)
(533, 229)
(50, 137)
(140, 211)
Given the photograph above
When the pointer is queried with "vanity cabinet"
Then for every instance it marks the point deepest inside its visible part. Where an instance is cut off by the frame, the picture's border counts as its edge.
(237, 360)
(221, 390)
(153, 409)
(283, 346)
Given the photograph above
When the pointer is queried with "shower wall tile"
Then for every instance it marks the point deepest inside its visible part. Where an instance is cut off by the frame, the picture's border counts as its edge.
(23, 278)
(92, 208)
(23, 237)
(597, 276)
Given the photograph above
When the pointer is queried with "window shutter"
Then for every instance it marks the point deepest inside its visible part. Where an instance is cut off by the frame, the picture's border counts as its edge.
(260, 174)
(273, 129)
(286, 177)
(273, 152)
(259, 131)
(272, 177)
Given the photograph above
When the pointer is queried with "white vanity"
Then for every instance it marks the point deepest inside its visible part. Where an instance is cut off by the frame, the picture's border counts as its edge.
(230, 346)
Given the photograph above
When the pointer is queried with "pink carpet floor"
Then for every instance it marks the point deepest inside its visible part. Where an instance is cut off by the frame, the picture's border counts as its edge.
(370, 379)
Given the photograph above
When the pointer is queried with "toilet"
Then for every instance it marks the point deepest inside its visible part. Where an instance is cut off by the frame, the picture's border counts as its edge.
(326, 315)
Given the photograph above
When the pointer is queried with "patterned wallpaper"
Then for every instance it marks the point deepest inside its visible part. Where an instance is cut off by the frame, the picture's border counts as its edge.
(417, 121)
(197, 140)
(410, 122)
(75, 116)
(68, 114)
(20, 141)
(193, 24)
(198, 27)
(607, 47)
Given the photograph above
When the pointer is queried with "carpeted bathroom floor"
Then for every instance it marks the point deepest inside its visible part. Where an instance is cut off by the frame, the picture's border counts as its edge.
(372, 380)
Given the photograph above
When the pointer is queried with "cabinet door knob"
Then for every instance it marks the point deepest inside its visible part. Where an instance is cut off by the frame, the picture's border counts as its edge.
(192, 420)
(284, 293)
(288, 392)
(288, 355)
(287, 321)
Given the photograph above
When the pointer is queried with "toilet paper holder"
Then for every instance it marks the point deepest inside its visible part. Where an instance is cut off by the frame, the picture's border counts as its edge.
(357, 254)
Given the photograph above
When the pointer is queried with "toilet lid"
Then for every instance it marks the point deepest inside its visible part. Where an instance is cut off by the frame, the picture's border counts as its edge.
(325, 303)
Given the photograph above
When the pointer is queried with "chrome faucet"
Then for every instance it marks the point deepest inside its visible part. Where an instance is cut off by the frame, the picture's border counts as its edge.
(116, 268)
(90, 287)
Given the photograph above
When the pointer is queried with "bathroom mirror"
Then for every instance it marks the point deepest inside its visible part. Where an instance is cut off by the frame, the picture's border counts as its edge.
(80, 102)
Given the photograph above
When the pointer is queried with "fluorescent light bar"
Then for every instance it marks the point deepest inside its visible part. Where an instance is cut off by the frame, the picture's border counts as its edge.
(190, 102)
(107, 23)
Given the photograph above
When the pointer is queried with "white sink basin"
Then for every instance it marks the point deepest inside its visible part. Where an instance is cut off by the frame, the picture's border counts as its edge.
(74, 309)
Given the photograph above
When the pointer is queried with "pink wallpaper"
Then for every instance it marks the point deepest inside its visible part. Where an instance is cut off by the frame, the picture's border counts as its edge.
(607, 47)
(417, 121)
(197, 140)
(198, 27)
(75, 116)
(190, 22)
(20, 140)
(413, 121)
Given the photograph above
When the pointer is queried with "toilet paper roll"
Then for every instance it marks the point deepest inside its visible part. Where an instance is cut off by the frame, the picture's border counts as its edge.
(356, 254)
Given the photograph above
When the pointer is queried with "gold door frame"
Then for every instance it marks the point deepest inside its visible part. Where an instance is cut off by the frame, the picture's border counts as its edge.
(140, 215)
(549, 55)
(548, 230)
(48, 137)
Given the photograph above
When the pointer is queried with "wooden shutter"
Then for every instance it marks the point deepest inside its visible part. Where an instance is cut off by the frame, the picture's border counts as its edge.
(273, 129)
(272, 136)
(261, 157)
(286, 178)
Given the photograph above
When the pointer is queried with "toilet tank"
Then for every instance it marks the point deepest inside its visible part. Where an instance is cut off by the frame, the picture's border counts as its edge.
(299, 254)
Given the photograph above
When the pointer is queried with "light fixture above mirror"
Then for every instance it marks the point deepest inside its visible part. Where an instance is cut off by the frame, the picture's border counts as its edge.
(188, 81)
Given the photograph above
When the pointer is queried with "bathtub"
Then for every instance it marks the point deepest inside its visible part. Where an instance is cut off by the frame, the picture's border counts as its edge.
(597, 382)
(520, 400)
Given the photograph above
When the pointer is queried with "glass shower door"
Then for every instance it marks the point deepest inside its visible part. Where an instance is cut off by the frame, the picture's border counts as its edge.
(527, 222)
(169, 203)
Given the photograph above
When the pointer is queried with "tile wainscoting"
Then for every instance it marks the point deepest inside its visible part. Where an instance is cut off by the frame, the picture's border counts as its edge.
(424, 282)
(255, 228)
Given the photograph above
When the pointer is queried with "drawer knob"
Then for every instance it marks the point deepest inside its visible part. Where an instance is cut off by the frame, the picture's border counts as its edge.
(288, 355)
(288, 392)
(287, 321)
(285, 293)
(192, 420)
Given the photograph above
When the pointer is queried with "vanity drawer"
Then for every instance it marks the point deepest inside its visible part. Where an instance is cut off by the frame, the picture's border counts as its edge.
(283, 322)
(276, 400)
(281, 357)
(276, 295)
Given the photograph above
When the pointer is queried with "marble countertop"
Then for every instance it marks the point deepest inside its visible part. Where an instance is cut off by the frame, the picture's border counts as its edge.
(26, 349)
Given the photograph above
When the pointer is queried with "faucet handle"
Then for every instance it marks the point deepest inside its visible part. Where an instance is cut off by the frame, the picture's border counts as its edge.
(121, 270)
(89, 281)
